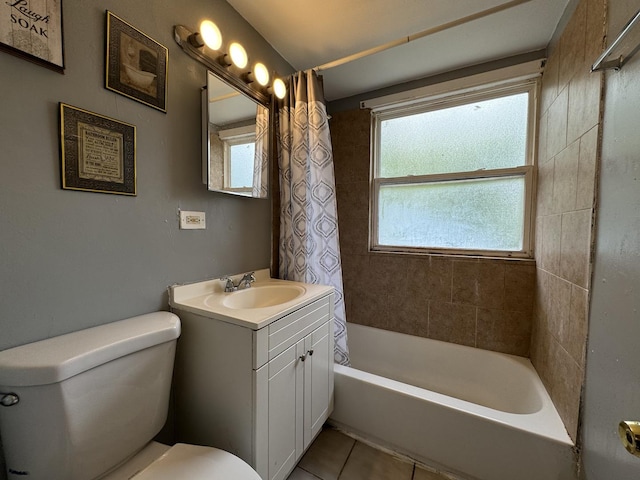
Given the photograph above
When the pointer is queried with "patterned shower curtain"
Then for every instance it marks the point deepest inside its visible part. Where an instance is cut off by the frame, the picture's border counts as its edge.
(260, 185)
(309, 247)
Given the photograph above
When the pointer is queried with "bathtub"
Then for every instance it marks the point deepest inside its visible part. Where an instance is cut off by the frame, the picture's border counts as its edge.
(472, 413)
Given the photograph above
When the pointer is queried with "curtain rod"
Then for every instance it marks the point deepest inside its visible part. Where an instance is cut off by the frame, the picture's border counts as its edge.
(415, 36)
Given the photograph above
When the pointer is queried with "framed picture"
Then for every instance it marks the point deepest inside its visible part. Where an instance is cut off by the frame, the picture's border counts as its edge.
(33, 30)
(136, 64)
(98, 153)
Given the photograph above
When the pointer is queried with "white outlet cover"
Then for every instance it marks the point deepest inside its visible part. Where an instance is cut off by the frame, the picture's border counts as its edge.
(192, 220)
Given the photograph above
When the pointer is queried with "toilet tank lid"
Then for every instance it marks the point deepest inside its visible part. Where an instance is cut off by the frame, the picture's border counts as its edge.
(58, 358)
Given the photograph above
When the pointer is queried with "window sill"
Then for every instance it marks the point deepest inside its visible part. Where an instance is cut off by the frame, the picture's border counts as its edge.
(511, 257)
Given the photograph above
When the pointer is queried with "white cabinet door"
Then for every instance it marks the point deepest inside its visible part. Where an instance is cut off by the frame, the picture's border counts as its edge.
(317, 380)
(300, 392)
(286, 384)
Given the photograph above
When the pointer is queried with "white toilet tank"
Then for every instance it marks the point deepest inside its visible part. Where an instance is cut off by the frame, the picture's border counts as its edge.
(88, 400)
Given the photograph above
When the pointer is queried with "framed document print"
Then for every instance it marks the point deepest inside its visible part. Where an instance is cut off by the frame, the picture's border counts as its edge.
(98, 153)
(136, 64)
(32, 29)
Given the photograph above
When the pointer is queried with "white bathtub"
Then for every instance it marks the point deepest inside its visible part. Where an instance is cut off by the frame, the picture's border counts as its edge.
(474, 413)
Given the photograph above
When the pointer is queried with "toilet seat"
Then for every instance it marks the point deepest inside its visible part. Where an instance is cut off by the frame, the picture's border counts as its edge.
(196, 462)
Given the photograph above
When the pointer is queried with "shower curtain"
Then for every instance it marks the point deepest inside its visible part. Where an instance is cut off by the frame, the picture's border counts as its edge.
(308, 247)
(260, 185)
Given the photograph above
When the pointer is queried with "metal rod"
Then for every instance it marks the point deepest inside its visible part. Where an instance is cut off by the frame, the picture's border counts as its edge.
(415, 36)
(618, 62)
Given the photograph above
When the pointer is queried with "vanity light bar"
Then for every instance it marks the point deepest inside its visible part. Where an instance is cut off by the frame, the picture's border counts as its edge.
(202, 44)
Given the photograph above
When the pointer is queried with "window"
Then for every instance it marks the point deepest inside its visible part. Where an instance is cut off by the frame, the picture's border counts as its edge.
(239, 154)
(454, 174)
(238, 163)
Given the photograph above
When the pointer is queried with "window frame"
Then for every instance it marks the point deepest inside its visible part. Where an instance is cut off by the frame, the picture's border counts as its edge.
(452, 99)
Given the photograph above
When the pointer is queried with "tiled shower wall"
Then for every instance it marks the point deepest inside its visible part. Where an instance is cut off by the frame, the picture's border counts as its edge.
(525, 308)
(484, 303)
(567, 171)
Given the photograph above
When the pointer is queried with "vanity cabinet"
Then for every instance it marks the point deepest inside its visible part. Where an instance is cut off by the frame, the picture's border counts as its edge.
(262, 394)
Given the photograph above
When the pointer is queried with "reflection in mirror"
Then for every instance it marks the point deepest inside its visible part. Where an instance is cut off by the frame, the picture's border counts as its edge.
(236, 146)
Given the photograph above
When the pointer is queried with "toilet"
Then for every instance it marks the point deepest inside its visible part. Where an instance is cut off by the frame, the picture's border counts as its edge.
(86, 405)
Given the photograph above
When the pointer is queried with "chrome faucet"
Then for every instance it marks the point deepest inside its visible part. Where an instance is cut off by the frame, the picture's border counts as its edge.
(245, 282)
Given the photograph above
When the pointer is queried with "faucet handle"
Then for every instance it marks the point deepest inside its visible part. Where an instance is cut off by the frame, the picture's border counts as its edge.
(229, 286)
(248, 279)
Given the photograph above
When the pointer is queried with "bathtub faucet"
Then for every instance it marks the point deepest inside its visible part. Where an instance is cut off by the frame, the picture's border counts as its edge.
(245, 282)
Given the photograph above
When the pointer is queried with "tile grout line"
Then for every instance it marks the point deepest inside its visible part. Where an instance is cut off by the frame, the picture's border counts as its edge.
(346, 459)
(306, 471)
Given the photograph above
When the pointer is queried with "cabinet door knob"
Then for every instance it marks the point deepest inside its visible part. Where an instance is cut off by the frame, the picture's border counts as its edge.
(304, 357)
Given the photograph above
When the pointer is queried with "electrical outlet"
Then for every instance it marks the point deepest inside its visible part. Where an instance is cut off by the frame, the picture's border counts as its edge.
(192, 220)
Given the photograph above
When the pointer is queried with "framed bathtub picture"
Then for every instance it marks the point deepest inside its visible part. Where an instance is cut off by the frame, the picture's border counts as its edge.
(98, 153)
(33, 30)
(136, 65)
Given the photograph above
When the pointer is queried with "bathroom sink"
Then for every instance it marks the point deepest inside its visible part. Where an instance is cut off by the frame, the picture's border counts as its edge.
(263, 296)
(266, 300)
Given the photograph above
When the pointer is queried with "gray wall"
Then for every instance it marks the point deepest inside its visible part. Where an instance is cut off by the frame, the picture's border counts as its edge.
(71, 260)
(612, 384)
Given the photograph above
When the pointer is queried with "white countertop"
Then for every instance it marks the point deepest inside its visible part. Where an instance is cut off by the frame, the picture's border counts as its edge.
(206, 299)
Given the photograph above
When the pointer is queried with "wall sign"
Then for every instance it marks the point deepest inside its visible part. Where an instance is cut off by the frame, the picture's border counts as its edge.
(32, 29)
(98, 153)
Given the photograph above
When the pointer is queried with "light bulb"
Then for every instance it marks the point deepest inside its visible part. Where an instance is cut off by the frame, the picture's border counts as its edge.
(279, 88)
(238, 55)
(211, 35)
(261, 74)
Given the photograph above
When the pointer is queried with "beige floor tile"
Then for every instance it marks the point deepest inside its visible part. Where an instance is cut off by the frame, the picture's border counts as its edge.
(299, 474)
(327, 455)
(422, 474)
(367, 463)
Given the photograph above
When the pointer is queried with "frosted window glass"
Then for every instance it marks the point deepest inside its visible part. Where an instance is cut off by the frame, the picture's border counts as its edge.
(241, 165)
(479, 214)
(486, 134)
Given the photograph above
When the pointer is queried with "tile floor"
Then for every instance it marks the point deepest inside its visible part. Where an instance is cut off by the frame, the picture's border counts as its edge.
(336, 456)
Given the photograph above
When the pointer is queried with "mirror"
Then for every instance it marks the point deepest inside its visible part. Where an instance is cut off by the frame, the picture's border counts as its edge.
(235, 140)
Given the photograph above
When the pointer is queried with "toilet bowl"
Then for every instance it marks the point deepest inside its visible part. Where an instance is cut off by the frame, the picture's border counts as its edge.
(191, 462)
(86, 406)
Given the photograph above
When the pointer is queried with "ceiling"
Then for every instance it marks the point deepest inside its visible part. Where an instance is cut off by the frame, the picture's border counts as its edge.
(310, 33)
